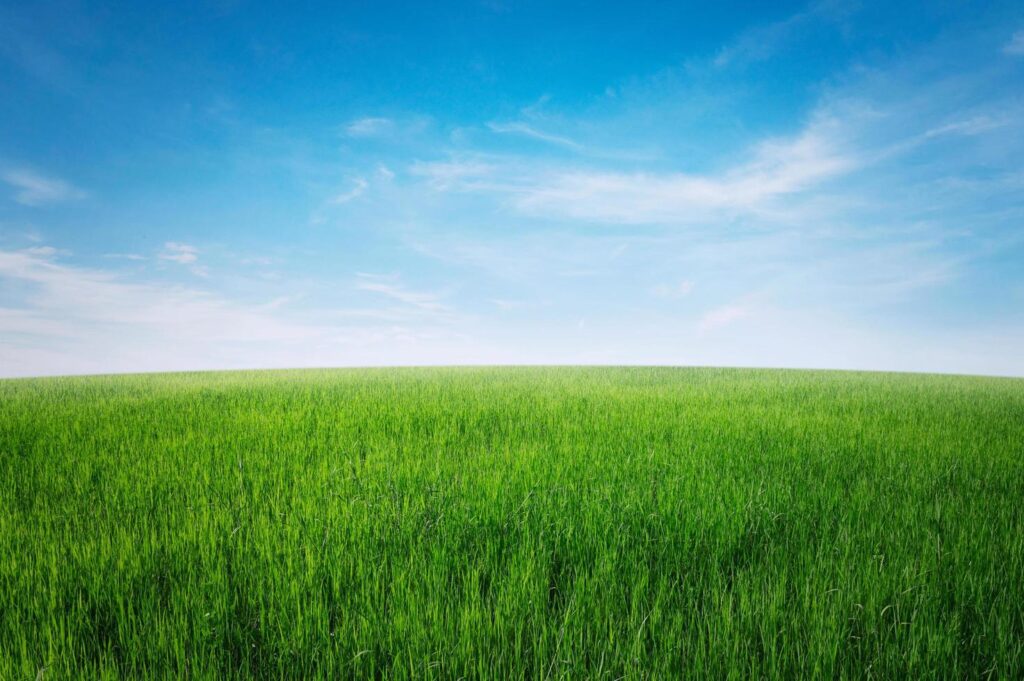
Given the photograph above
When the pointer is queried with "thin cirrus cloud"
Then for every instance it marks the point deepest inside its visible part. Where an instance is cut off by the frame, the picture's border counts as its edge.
(975, 125)
(673, 291)
(34, 189)
(461, 175)
(369, 126)
(1015, 46)
(125, 256)
(183, 254)
(76, 298)
(858, 131)
(389, 287)
(760, 43)
(527, 130)
(359, 186)
(75, 319)
(723, 316)
(776, 167)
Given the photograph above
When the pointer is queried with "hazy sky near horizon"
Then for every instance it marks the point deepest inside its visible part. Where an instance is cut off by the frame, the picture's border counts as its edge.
(234, 184)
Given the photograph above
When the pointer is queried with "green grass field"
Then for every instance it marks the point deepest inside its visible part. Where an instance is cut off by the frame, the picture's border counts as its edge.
(512, 523)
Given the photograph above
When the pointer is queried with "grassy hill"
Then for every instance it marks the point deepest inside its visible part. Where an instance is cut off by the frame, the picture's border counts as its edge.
(512, 523)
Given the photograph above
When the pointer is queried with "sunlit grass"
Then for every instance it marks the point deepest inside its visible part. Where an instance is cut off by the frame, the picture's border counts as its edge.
(508, 523)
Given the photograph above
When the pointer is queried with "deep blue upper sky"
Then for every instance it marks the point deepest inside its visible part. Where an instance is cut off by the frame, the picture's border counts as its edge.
(234, 184)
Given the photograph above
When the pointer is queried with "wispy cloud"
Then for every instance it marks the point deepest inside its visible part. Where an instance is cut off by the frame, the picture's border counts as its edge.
(860, 135)
(762, 42)
(124, 256)
(508, 305)
(71, 319)
(34, 189)
(776, 167)
(389, 287)
(183, 254)
(723, 316)
(369, 126)
(261, 260)
(1015, 46)
(458, 174)
(970, 126)
(759, 43)
(359, 186)
(67, 296)
(527, 130)
(673, 291)
(44, 251)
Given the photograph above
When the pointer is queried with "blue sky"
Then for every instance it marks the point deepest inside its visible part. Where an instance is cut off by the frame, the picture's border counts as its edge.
(232, 184)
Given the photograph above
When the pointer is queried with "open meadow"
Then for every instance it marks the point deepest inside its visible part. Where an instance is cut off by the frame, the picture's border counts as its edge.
(534, 523)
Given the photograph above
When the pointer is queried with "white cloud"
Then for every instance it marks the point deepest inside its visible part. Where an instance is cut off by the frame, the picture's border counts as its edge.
(507, 305)
(1015, 46)
(776, 168)
(359, 186)
(183, 254)
(760, 43)
(44, 251)
(78, 320)
(458, 174)
(811, 177)
(258, 260)
(369, 127)
(672, 291)
(969, 126)
(520, 128)
(387, 286)
(124, 256)
(723, 316)
(33, 189)
(65, 297)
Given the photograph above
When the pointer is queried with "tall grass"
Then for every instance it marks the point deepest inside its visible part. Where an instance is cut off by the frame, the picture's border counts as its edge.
(512, 523)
